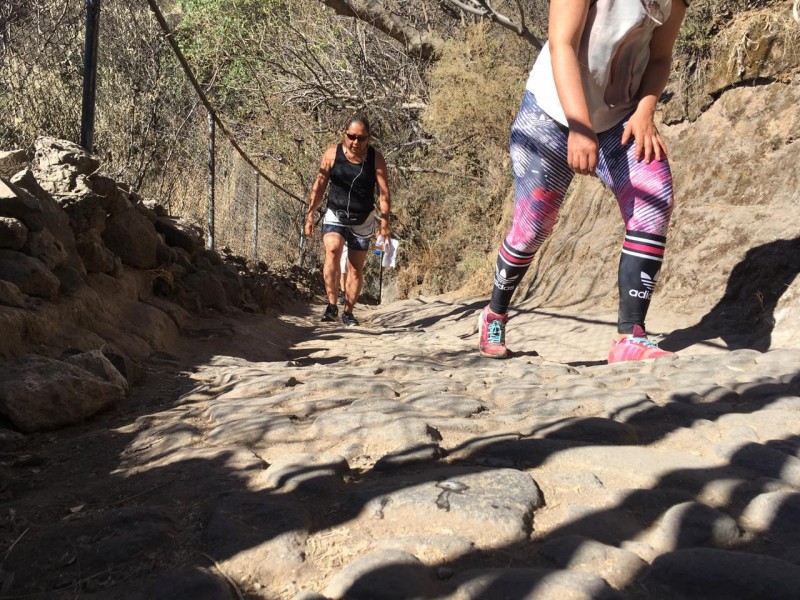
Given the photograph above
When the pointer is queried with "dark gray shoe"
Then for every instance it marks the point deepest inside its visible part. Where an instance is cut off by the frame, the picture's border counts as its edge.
(330, 314)
(349, 320)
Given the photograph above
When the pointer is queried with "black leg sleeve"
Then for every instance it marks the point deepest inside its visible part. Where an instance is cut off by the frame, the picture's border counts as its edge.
(639, 266)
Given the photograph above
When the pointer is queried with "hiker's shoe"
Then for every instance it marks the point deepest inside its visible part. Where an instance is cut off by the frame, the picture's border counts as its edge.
(636, 346)
(349, 320)
(330, 314)
(492, 334)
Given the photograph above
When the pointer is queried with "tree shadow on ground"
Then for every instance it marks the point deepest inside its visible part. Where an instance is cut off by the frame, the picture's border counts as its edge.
(153, 509)
(745, 315)
(177, 508)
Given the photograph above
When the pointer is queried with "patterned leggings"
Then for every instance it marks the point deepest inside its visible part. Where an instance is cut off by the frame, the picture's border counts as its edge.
(541, 178)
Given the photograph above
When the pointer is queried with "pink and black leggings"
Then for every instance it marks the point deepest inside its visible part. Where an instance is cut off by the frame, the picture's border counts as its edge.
(541, 178)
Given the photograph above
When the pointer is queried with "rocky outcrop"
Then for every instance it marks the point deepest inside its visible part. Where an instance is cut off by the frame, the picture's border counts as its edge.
(722, 47)
(38, 393)
(66, 232)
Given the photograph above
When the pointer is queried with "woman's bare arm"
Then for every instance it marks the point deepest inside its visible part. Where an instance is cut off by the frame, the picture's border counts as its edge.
(566, 24)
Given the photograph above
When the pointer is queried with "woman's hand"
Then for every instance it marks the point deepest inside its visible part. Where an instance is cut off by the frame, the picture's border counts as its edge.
(642, 127)
(309, 227)
(385, 236)
(582, 150)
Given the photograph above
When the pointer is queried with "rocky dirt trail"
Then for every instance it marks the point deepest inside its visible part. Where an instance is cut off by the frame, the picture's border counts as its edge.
(278, 457)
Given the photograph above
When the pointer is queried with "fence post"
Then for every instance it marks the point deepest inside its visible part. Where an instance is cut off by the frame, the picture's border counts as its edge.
(90, 73)
(255, 217)
(211, 180)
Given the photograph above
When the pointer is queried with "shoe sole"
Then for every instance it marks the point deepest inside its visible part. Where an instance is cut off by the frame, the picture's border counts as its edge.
(616, 362)
(497, 356)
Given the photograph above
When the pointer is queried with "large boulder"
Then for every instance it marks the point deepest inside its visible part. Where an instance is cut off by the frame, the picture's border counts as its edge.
(18, 204)
(61, 167)
(43, 246)
(180, 234)
(132, 237)
(39, 394)
(94, 254)
(28, 274)
(113, 198)
(52, 216)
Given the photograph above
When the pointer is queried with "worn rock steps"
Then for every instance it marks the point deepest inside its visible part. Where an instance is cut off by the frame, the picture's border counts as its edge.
(408, 468)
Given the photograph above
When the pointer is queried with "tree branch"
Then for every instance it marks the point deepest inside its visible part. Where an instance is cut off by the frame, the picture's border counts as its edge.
(482, 9)
(371, 11)
(431, 170)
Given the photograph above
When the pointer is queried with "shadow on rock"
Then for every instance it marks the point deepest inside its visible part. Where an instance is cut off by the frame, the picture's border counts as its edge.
(745, 315)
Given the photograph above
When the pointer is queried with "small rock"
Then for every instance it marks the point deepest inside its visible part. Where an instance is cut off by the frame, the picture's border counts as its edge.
(618, 567)
(383, 574)
(12, 161)
(491, 508)
(131, 236)
(316, 473)
(693, 524)
(777, 513)
(531, 584)
(97, 364)
(11, 295)
(39, 393)
(30, 275)
(721, 574)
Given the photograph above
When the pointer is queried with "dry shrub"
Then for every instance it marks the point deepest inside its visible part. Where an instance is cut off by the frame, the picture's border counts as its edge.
(453, 220)
(727, 42)
(475, 89)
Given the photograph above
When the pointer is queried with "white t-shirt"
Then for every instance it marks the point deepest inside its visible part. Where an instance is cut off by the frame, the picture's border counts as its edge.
(613, 54)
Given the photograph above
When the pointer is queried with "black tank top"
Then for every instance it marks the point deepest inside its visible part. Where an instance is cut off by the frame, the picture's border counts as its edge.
(352, 186)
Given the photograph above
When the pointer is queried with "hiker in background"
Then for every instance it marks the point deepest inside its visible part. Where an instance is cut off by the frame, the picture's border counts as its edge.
(354, 169)
(588, 109)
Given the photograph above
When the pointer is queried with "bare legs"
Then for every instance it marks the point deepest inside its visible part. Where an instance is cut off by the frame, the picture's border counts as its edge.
(331, 273)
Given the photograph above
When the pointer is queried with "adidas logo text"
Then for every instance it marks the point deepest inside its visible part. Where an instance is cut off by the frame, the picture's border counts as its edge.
(644, 295)
(503, 282)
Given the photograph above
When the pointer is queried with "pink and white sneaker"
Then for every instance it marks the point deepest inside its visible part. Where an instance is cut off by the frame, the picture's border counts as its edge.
(492, 334)
(636, 346)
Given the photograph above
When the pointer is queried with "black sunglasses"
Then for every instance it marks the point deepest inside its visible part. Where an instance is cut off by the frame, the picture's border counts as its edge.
(353, 137)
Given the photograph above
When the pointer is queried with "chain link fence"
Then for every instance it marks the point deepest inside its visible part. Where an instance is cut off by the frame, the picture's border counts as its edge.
(151, 128)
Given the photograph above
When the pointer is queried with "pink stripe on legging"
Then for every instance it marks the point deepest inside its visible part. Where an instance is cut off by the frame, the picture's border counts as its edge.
(643, 248)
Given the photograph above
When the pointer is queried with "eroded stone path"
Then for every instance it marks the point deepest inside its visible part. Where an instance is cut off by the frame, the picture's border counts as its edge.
(390, 461)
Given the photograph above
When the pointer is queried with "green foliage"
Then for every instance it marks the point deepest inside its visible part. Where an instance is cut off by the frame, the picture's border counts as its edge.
(693, 38)
(475, 88)
(217, 37)
(453, 221)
